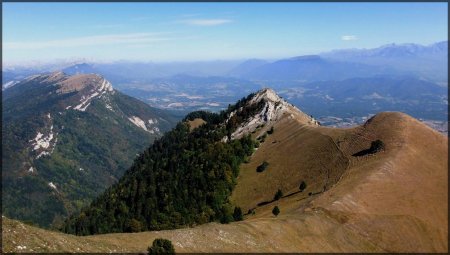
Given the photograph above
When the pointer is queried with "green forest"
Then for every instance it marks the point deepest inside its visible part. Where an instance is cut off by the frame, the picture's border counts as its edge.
(185, 178)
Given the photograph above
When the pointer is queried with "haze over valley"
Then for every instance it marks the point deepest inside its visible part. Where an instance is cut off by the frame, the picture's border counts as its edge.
(340, 87)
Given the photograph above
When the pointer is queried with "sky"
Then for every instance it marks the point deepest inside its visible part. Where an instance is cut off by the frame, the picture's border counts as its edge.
(164, 32)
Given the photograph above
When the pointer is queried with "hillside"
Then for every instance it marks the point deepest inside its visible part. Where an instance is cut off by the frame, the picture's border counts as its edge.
(67, 138)
(356, 200)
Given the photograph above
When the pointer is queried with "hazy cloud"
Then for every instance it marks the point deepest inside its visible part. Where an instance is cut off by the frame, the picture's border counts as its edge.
(134, 38)
(349, 37)
(206, 22)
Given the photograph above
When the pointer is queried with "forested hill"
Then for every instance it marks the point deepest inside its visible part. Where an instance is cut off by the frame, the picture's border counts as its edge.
(184, 178)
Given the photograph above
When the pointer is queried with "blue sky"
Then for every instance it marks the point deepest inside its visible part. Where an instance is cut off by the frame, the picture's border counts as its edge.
(210, 31)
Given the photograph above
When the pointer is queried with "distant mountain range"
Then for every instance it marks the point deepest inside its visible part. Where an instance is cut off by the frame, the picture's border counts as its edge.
(428, 62)
(82, 68)
(312, 68)
(67, 138)
(130, 72)
(364, 96)
(246, 66)
(436, 50)
(424, 62)
(188, 87)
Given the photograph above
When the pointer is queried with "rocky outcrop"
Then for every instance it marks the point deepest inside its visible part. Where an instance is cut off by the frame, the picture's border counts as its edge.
(273, 110)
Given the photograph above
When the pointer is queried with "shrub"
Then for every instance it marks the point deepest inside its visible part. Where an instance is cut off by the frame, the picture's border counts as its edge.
(270, 131)
(278, 195)
(302, 186)
(276, 210)
(376, 146)
(134, 225)
(161, 246)
(237, 214)
(227, 216)
(262, 138)
(262, 167)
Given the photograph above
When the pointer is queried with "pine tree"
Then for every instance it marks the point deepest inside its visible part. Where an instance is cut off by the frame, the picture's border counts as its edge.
(276, 211)
(278, 195)
(302, 186)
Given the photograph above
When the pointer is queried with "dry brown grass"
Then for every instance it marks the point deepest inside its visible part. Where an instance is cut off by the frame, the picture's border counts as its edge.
(295, 153)
(78, 82)
(393, 201)
(195, 123)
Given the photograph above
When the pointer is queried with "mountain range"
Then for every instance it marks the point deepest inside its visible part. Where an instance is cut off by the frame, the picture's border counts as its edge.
(426, 62)
(420, 61)
(373, 76)
(66, 139)
(435, 50)
(312, 68)
(364, 96)
(378, 187)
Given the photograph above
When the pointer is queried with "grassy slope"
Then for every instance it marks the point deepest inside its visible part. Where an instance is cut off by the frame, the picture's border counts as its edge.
(294, 153)
(195, 123)
(393, 201)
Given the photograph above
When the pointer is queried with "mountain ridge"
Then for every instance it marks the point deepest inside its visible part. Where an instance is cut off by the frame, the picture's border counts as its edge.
(195, 162)
(375, 206)
(57, 147)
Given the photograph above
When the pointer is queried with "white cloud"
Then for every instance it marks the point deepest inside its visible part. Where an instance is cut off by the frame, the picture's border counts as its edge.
(349, 37)
(134, 38)
(206, 22)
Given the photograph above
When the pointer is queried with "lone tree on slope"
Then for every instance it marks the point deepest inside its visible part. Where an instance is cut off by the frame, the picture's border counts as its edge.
(302, 186)
(278, 195)
(161, 246)
(276, 211)
(237, 214)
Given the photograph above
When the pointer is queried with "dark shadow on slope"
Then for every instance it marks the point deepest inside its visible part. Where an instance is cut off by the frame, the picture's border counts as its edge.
(375, 147)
